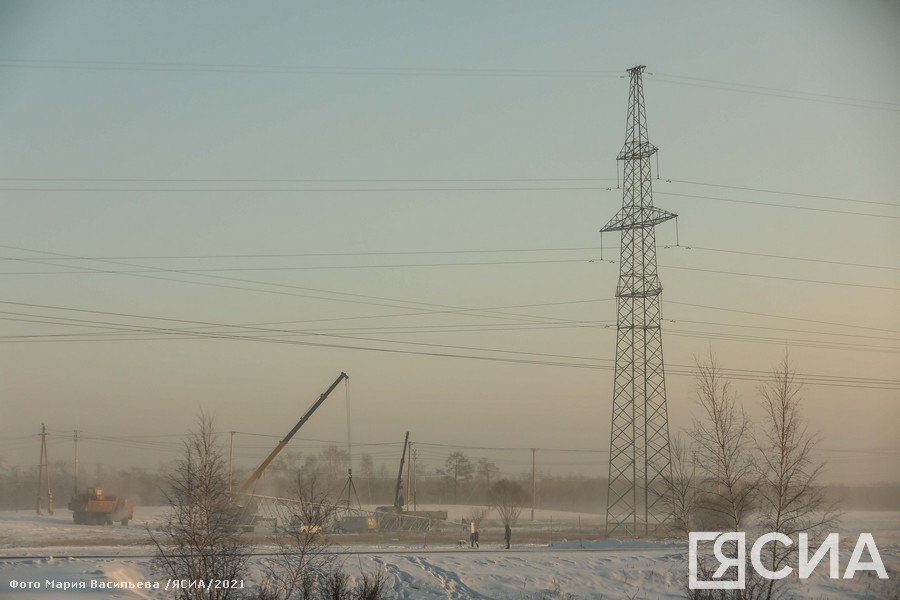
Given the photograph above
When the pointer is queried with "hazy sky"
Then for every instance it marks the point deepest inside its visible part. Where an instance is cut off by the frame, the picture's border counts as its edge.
(334, 163)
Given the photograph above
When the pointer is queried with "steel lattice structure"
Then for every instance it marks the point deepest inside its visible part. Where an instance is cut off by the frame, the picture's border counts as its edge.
(639, 460)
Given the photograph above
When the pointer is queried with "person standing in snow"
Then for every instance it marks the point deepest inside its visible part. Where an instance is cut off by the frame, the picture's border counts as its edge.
(507, 535)
(473, 534)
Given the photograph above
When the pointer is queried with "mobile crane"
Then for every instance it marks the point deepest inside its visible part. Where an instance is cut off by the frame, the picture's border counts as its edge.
(246, 514)
(393, 517)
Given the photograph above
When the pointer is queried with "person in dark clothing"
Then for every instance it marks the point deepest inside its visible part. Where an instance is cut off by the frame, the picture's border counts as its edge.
(507, 535)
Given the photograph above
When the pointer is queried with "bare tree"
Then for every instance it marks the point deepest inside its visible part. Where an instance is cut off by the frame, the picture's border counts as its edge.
(305, 567)
(334, 462)
(303, 558)
(790, 499)
(198, 541)
(477, 514)
(722, 437)
(486, 469)
(457, 468)
(681, 485)
(508, 498)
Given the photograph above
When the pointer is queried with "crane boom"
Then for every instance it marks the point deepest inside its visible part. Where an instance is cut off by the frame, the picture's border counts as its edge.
(262, 467)
(398, 505)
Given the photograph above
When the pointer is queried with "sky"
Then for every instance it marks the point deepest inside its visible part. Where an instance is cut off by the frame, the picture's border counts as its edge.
(222, 206)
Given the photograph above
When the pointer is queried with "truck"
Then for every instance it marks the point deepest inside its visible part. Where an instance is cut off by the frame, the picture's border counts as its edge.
(96, 508)
(356, 524)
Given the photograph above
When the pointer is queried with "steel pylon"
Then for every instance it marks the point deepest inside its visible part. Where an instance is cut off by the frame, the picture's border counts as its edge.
(639, 458)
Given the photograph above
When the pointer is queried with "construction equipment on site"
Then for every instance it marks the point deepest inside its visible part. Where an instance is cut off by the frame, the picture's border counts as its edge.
(398, 495)
(351, 522)
(96, 508)
(246, 515)
(394, 517)
(363, 523)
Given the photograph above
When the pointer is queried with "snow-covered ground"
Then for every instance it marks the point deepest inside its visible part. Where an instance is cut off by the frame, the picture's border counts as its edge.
(61, 553)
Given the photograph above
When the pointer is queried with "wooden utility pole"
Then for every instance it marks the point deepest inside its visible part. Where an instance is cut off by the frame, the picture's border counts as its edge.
(533, 481)
(408, 478)
(44, 472)
(415, 457)
(231, 464)
(76, 462)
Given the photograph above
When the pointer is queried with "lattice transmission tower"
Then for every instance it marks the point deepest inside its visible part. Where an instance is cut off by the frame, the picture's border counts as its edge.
(639, 459)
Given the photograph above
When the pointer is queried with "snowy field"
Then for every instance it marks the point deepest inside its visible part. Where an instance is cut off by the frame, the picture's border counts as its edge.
(40, 549)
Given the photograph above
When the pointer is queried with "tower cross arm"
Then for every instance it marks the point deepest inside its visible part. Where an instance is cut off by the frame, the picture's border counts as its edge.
(631, 218)
(636, 149)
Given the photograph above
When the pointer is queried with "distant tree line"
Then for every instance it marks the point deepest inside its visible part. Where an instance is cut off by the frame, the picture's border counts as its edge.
(374, 484)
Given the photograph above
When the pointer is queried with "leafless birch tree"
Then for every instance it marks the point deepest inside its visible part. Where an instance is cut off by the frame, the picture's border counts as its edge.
(790, 499)
(198, 541)
(682, 485)
(723, 441)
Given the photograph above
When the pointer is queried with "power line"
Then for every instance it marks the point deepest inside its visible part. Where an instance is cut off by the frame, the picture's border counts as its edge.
(870, 104)
(780, 278)
(556, 323)
(303, 69)
(473, 311)
(414, 253)
(351, 298)
(110, 333)
(113, 334)
(361, 190)
(773, 89)
(782, 193)
(317, 268)
(323, 254)
(305, 333)
(784, 206)
(443, 309)
(304, 180)
(285, 190)
(406, 71)
(425, 180)
(432, 265)
(784, 257)
(769, 315)
(280, 341)
(740, 374)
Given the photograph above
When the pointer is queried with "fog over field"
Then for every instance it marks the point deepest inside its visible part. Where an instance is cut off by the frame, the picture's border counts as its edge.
(209, 212)
(233, 178)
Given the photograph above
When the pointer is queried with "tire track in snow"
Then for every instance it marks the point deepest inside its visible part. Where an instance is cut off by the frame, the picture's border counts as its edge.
(404, 585)
(448, 581)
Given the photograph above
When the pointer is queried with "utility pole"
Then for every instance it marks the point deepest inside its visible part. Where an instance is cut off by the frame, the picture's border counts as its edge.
(231, 464)
(639, 457)
(533, 481)
(44, 472)
(408, 478)
(76, 462)
(18, 473)
(415, 476)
